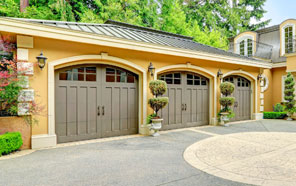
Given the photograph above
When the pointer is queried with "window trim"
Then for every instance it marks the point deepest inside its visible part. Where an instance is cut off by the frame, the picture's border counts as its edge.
(283, 44)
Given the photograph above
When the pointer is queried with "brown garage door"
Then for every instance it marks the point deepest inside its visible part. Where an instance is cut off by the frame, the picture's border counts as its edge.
(94, 102)
(242, 94)
(188, 100)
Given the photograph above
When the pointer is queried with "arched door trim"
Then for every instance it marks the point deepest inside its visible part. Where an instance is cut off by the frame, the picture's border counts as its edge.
(204, 72)
(50, 139)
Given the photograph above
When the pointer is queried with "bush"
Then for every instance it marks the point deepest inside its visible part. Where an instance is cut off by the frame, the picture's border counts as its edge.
(226, 101)
(278, 108)
(10, 142)
(158, 103)
(274, 115)
(158, 87)
(227, 88)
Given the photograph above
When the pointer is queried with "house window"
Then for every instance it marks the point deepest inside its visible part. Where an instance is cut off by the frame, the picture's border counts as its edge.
(289, 39)
(246, 47)
(250, 47)
(242, 47)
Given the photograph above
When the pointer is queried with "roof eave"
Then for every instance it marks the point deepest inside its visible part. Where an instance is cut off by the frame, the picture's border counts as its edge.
(35, 29)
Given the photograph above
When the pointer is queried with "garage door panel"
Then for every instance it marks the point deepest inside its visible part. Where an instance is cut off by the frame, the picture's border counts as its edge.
(61, 111)
(72, 111)
(132, 108)
(123, 109)
(92, 110)
(107, 113)
(82, 110)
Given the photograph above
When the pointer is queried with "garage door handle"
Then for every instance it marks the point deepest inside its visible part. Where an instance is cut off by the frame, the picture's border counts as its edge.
(99, 111)
(182, 107)
(103, 110)
(185, 107)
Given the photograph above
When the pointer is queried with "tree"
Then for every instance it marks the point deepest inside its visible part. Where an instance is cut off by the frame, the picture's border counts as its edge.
(289, 95)
(233, 17)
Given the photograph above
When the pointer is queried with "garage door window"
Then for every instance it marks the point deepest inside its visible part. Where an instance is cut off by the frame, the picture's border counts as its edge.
(79, 74)
(119, 75)
(174, 78)
(195, 80)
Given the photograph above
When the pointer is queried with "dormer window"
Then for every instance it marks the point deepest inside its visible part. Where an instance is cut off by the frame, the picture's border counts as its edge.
(246, 47)
(289, 39)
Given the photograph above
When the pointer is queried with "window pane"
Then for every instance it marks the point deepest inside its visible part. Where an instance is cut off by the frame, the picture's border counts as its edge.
(91, 70)
(189, 76)
(169, 81)
(91, 77)
(80, 69)
(121, 76)
(110, 78)
(78, 77)
(169, 75)
(196, 82)
(177, 81)
(110, 71)
(189, 82)
(203, 82)
(177, 75)
(65, 76)
(130, 78)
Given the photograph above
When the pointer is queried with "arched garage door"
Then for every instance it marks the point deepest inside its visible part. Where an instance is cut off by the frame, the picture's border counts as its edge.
(242, 94)
(188, 100)
(95, 101)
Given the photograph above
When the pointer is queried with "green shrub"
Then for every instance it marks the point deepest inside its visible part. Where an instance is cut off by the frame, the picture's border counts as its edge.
(158, 103)
(289, 94)
(149, 117)
(226, 101)
(274, 115)
(10, 142)
(227, 88)
(158, 87)
(278, 108)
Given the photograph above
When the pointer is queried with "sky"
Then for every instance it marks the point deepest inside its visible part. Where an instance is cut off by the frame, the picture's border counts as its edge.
(279, 10)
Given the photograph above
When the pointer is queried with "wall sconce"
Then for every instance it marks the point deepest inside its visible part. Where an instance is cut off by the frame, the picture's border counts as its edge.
(41, 60)
(219, 74)
(260, 77)
(151, 69)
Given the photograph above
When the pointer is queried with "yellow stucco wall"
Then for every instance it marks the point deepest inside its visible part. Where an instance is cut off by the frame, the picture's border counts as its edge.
(57, 49)
(291, 62)
(277, 74)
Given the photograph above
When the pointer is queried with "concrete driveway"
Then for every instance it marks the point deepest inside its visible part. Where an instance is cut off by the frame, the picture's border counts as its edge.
(128, 161)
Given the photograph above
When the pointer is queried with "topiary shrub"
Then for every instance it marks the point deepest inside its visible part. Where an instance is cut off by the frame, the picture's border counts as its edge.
(289, 95)
(226, 102)
(10, 142)
(158, 88)
(227, 88)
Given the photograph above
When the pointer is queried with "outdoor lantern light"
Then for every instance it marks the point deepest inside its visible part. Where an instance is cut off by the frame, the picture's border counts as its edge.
(41, 60)
(220, 74)
(151, 69)
(260, 77)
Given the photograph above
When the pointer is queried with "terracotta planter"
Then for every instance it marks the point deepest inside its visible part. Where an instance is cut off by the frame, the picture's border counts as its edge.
(17, 124)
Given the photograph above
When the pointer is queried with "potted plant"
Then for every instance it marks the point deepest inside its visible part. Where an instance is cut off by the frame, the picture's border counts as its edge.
(289, 96)
(157, 88)
(226, 102)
